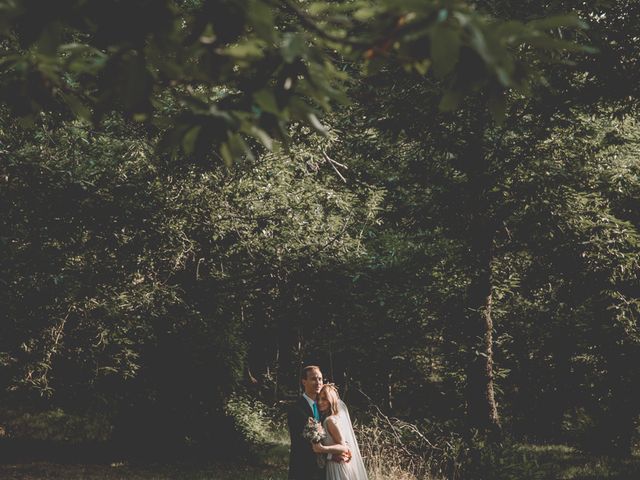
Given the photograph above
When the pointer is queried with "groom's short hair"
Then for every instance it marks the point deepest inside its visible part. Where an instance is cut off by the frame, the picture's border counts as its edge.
(305, 371)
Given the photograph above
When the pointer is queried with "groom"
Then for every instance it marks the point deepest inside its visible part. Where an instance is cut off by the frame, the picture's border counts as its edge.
(302, 461)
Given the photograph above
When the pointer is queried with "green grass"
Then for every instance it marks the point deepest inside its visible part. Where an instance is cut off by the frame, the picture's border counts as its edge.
(270, 462)
(539, 462)
(560, 462)
(46, 471)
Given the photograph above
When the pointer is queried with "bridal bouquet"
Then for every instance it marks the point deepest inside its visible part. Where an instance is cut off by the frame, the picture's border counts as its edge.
(314, 433)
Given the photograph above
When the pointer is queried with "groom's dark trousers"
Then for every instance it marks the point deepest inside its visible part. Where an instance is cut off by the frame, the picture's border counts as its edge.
(302, 461)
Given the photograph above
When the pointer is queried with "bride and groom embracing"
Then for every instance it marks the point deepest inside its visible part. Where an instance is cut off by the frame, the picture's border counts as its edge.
(323, 445)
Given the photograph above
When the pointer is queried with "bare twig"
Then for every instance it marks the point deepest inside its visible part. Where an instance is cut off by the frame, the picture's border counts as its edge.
(333, 164)
(390, 422)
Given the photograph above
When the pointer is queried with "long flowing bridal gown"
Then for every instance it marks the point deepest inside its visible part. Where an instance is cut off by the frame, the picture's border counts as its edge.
(354, 469)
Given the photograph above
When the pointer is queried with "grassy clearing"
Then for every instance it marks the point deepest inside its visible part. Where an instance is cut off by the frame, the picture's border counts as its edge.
(560, 462)
(47, 471)
(271, 463)
(384, 461)
(528, 462)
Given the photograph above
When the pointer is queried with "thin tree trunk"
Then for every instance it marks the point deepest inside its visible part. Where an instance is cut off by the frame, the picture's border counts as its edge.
(276, 374)
(333, 377)
(300, 355)
(482, 410)
(481, 404)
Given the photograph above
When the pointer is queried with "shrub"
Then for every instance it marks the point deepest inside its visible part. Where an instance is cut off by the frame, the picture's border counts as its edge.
(56, 426)
(255, 423)
(397, 450)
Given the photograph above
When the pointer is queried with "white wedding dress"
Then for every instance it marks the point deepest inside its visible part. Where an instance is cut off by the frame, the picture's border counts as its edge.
(354, 469)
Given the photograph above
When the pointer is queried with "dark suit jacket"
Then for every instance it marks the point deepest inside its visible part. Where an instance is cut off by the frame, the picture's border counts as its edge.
(302, 461)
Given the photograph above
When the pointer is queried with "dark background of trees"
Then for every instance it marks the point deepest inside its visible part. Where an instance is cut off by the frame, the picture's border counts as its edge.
(446, 234)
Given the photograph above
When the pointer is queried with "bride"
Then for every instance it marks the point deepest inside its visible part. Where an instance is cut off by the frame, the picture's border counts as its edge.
(340, 441)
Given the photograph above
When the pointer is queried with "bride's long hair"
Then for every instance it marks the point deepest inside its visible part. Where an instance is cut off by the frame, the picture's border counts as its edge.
(340, 410)
(332, 396)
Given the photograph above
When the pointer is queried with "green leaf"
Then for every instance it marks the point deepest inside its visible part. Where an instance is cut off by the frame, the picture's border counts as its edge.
(266, 100)
(547, 42)
(510, 30)
(135, 83)
(422, 67)
(190, 138)
(293, 46)
(317, 8)
(225, 151)
(261, 18)
(450, 100)
(239, 148)
(49, 39)
(364, 14)
(557, 21)
(315, 123)
(498, 107)
(263, 136)
(445, 49)
(247, 49)
(77, 107)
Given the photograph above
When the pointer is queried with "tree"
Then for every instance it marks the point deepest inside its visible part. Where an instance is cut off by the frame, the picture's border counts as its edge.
(135, 285)
(231, 70)
(214, 78)
(483, 158)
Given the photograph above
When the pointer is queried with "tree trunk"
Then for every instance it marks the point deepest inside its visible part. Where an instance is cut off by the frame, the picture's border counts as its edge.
(481, 405)
(482, 411)
(276, 374)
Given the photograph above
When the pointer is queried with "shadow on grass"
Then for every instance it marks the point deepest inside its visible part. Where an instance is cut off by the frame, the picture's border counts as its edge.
(217, 471)
(35, 460)
(560, 462)
(269, 462)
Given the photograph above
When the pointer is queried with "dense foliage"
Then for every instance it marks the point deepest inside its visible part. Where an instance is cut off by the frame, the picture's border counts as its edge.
(455, 240)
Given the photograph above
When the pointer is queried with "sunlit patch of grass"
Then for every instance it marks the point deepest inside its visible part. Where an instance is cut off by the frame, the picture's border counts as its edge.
(604, 468)
(526, 461)
(391, 450)
(596, 469)
(549, 449)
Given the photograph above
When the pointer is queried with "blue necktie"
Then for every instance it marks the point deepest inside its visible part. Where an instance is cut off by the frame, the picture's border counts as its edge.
(316, 415)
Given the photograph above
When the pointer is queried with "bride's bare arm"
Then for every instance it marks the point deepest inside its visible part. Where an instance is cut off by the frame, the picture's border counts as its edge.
(339, 447)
